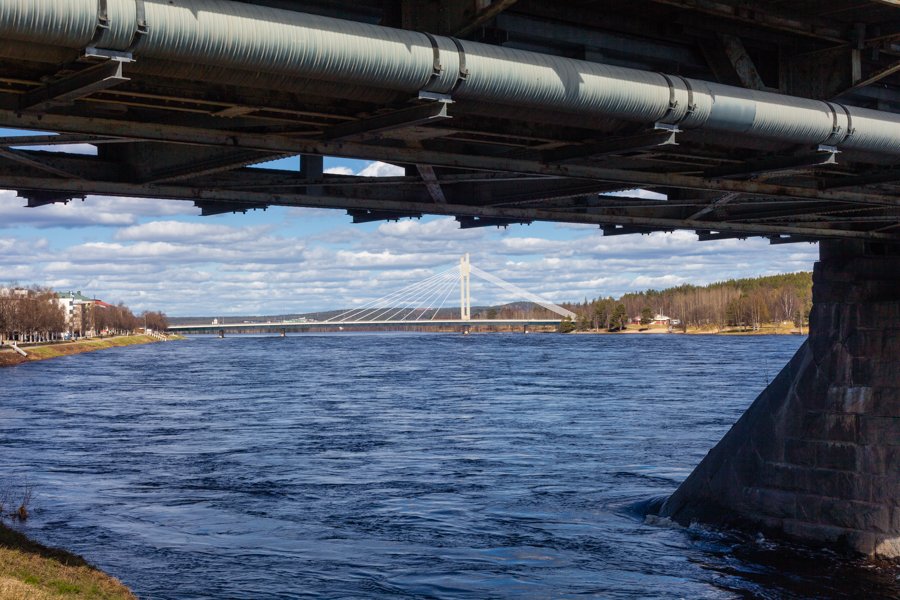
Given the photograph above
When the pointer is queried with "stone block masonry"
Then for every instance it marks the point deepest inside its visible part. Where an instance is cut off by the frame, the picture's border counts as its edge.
(817, 456)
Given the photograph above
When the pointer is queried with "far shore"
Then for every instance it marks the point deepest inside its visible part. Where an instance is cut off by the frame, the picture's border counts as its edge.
(8, 357)
(635, 330)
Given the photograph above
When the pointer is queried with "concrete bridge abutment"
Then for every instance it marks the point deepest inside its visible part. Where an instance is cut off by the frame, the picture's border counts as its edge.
(817, 456)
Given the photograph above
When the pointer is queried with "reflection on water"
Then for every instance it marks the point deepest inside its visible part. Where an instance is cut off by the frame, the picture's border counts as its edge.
(417, 465)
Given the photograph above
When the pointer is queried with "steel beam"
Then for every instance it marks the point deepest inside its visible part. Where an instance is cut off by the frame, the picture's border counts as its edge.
(254, 199)
(370, 216)
(873, 77)
(760, 15)
(741, 61)
(483, 16)
(400, 119)
(57, 140)
(75, 86)
(291, 145)
(884, 176)
(39, 198)
(428, 176)
(209, 208)
(709, 236)
(30, 160)
(643, 141)
(715, 204)
(207, 162)
(470, 222)
(769, 165)
(609, 230)
(790, 239)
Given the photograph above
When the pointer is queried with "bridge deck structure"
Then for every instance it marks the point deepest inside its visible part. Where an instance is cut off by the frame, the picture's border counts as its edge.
(757, 117)
(284, 326)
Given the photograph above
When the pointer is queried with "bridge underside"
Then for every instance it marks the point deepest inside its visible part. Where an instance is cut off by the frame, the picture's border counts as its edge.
(170, 128)
(532, 110)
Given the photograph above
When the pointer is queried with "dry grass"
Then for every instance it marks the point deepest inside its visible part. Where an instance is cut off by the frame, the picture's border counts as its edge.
(29, 570)
(8, 357)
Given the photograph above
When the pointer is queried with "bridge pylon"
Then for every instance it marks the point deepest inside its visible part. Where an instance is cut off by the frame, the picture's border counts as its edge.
(465, 290)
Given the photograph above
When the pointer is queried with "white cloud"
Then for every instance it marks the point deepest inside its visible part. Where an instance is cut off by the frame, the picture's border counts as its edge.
(157, 254)
(385, 259)
(380, 169)
(444, 229)
(643, 282)
(188, 232)
(339, 171)
(106, 211)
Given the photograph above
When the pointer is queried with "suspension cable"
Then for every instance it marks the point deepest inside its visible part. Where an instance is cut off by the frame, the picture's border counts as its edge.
(346, 315)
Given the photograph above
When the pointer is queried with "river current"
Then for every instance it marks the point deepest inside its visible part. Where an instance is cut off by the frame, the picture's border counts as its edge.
(392, 465)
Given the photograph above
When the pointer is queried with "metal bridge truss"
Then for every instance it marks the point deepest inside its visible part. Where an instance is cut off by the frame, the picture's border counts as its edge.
(178, 110)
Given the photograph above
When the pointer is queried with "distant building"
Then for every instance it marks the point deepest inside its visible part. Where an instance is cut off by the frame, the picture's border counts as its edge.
(79, 311)
(662, 320)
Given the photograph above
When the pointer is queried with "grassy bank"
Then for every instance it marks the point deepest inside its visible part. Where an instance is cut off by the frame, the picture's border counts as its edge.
(8, 357)
(34, 571)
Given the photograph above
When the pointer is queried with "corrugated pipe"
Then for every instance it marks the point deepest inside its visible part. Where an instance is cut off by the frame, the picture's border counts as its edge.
(256, 39)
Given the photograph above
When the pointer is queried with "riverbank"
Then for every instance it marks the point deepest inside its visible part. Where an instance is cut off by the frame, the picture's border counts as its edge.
(8, 357)
(34, 571)
(636, 330)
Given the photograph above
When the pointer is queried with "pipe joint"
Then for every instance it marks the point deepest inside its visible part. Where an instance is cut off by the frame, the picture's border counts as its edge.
(448, 66)
(686, 106)
(842, 125)
(118, 24)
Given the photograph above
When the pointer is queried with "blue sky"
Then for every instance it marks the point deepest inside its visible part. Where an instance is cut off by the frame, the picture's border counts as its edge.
(161, 255)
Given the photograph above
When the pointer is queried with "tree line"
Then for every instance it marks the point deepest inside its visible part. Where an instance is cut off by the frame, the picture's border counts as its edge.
(31, 315)
(736, 303)
(35, 314)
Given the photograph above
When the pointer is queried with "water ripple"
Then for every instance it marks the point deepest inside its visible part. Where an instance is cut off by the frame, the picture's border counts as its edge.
(400, 465)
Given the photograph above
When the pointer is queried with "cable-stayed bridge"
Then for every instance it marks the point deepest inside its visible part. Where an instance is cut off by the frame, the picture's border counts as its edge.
(425, 304)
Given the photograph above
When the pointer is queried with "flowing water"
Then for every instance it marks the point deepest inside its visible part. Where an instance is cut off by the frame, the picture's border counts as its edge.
(400, 465)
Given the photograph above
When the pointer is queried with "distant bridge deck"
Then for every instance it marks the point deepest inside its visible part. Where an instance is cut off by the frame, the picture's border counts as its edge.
(338, 325)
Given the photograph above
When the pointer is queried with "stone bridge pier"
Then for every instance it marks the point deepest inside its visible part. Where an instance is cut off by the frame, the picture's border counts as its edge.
(817, 456)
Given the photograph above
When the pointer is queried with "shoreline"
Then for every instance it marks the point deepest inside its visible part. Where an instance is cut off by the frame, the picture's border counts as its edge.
(9, 358)
(720, 332)
(29, 569)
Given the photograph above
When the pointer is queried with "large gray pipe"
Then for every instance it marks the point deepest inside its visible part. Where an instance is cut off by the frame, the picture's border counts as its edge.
(253, 39)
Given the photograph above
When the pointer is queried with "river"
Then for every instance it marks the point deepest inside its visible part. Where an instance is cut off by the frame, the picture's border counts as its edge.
(391, 465)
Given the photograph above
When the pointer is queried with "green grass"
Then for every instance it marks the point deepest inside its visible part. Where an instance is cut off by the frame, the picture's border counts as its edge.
(34, 571)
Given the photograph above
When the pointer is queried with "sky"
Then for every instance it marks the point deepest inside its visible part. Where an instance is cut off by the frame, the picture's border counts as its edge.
(161, 255)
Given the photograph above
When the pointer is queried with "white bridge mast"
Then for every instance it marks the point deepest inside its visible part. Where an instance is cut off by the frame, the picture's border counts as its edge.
(465, 291)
